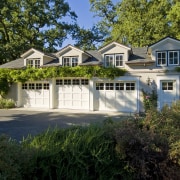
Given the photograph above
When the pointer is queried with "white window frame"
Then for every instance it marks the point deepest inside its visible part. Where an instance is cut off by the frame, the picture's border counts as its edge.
(71, 61)
(173, 58)
(114, 60)
(161, 59)
(166, 86)
(34, 62)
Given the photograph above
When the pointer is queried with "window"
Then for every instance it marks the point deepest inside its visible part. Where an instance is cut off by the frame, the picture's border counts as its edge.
(67, 81)
(24, 86)
(75, 82)
(59, 82)
(161, 59)
(130, 86)
(31, 85)
(70, 61)
(46, 85)
(119, 86)
(173, 57)
(109, 86)
(39, 86)
(114, 60)
(99, 86)
(167, 85)
(33, 63)
(84, 81)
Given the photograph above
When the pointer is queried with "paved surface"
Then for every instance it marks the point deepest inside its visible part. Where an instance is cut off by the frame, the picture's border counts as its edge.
(20, 122)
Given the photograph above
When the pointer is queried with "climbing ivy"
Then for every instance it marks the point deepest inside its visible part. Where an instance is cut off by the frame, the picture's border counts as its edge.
(32, 74)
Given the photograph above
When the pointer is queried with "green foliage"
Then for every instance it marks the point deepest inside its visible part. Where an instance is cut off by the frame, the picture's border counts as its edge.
(29, 23)
(137, 22)
(146, 148)
(5, 81)
(6, 103)
(150, 100)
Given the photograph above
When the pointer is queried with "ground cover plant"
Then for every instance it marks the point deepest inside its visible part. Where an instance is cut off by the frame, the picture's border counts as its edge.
(141, 148)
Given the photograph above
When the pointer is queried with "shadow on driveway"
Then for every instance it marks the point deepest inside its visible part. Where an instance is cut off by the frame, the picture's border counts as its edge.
(18, 123)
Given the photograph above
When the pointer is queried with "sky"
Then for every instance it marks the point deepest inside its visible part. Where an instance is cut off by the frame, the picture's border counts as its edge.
(85, 18)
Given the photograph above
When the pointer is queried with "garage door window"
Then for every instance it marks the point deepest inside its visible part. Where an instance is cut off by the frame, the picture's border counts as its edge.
(84, 81)
(39, 86)
(67, 82)
(75, 82)
(99, 86)
(59, 82)
(109, 86)
(167, 85)
(31, 86)
(130, 86)
(24, 86)
(46, 86)
(119, 86)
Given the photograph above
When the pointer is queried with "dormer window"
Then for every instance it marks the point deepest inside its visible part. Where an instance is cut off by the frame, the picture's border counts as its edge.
(70, 61)
(114, 60)
(161, 58)
(173, 57)
(33, 63)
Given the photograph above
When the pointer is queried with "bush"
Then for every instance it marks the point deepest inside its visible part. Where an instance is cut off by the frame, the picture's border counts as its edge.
(6, 103)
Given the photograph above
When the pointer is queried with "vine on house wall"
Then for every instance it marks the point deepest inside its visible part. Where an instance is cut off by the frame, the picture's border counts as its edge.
(8, 76)
(150, 100)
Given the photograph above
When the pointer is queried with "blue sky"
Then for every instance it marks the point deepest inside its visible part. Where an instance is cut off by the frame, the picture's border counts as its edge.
(85, 18)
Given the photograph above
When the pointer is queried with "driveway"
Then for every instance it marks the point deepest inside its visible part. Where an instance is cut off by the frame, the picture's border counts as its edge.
(21, 122)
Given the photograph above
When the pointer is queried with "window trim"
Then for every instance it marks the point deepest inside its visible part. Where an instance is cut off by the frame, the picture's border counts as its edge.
(71, 62)
(35, 62)
(114, 60)
(158, 52)
(173, 58)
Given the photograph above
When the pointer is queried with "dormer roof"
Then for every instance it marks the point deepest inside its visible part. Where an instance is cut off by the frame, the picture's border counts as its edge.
(69, 48)
(113, 44)
(32, 50)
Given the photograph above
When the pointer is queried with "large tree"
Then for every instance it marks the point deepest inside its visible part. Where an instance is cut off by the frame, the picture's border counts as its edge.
(42, 24)
(138, 22)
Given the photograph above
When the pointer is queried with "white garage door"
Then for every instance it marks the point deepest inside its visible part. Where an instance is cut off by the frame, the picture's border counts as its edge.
(167, 93)
(35, 94)
(117, 96)
(72, 93)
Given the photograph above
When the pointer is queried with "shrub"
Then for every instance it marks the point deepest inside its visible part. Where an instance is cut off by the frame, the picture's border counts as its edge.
(6, 103)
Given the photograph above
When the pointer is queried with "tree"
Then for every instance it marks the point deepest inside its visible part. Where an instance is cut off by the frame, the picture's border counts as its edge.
(138, 22)
(174, 18)
(31, 23)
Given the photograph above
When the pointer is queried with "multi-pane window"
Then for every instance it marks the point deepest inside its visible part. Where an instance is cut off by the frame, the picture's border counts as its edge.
(31, 86)
(167, 85)
(70, 61)
(130, 86)
(59, 81)
(67, 81)
(33, 63)
(173, 57)
(99, 86)
(84, 81)
(119, 86)
(114, 60)
(109, 86)
(161, 59)
(46, 85)
(24, 86)
(39, 86)
(75, 82)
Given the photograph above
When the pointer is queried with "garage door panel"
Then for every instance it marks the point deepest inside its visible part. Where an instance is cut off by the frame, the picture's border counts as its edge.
(33, 94)
(116, 96)
(75, 95)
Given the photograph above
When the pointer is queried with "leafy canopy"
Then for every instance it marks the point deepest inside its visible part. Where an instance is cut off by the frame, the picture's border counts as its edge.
(30, 23)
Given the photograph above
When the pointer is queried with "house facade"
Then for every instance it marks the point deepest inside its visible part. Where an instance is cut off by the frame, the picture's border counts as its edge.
(150, 68)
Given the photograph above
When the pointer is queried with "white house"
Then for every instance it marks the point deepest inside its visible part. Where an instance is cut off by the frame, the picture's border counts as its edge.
(149, 68)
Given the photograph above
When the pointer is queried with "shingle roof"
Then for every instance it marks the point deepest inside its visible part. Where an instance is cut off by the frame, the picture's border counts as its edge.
(53, 63)
(94, 60)
(15, 64)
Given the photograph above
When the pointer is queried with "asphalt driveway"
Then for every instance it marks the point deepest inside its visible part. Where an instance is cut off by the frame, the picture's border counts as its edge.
(19, 123)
